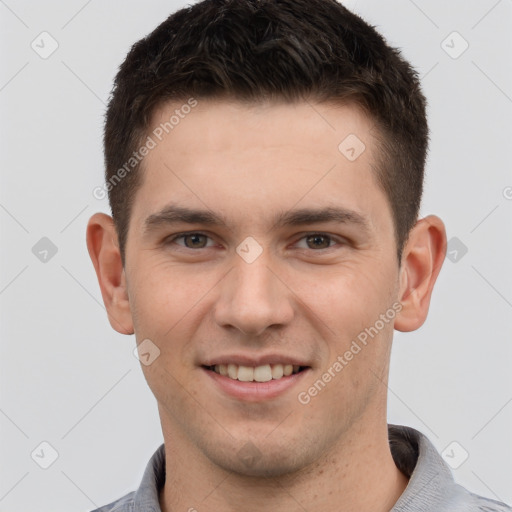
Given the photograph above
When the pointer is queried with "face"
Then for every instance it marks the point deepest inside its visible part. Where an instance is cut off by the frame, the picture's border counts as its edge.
(256, 242)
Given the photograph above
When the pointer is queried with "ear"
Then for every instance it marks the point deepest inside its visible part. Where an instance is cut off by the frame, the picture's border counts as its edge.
(103, 247)
(422, 259)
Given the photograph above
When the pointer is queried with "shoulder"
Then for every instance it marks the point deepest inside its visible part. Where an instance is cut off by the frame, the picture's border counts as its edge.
(431, 484)
(145, 498)
(124, 504)
(468, 502)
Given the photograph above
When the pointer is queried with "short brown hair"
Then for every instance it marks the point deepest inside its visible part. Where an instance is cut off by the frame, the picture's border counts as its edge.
(260, 50)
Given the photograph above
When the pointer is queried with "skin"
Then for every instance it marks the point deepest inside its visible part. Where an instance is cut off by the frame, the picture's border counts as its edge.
(248, 164)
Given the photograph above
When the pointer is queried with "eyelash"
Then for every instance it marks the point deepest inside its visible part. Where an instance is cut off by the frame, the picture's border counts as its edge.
(332, 238)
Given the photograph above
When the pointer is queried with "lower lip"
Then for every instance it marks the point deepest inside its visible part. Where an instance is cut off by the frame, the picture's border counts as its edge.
(255, 391)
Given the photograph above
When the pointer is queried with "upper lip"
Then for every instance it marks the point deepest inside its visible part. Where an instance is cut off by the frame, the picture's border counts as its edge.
(246, 360)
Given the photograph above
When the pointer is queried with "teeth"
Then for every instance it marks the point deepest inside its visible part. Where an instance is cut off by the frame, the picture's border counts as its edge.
(262, 373)
(277, 371)
(245, 373)
(233, 371)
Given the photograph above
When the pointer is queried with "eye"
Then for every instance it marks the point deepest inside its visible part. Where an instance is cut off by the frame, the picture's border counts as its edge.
(192, 240)
(317, 241)
(197, 240)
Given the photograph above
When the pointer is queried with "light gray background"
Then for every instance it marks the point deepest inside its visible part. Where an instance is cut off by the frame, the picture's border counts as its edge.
(68, 379)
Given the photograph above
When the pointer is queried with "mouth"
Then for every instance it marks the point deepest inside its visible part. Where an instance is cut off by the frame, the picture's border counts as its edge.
(256, 384)
(262, 373)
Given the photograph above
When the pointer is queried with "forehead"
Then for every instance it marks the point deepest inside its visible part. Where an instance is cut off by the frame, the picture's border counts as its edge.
(260, 158)
(227, 125)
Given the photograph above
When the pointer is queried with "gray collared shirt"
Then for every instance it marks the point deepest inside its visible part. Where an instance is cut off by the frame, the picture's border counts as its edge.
(431, 486)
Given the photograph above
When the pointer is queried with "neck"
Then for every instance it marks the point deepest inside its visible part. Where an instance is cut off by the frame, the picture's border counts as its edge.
(354, 475)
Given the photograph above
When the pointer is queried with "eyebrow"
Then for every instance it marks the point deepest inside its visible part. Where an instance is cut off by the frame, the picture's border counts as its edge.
(174, 214)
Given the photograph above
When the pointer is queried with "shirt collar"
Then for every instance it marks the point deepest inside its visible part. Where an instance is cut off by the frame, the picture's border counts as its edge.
(430, 479)
(146, 497)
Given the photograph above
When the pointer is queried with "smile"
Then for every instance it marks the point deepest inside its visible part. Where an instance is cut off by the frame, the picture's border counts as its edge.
(255, 383)
(263, 373)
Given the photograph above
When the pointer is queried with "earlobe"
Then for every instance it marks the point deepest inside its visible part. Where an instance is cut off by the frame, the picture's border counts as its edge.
(103, 248)
(422, 259)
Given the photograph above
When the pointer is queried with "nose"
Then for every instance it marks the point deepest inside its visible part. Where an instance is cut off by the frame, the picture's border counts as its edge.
(252, 298)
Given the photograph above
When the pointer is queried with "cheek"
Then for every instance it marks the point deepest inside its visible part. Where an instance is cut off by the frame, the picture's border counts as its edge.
(348, 299)
(170, 304)
(164, 295)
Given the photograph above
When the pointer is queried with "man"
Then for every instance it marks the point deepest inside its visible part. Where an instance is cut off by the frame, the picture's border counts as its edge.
(264, 164)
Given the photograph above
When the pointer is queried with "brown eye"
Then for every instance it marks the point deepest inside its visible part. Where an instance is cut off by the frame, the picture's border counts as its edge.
(191, 240)
(195, 240)
(318, 241)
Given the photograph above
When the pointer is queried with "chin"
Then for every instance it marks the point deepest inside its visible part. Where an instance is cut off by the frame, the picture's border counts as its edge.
(259, 460)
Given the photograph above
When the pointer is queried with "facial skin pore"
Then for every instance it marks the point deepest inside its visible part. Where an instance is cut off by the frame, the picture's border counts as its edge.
(305, 297)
